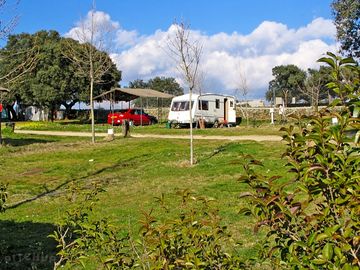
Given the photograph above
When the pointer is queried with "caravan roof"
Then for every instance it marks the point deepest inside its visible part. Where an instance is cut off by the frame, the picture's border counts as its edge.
(195, 96)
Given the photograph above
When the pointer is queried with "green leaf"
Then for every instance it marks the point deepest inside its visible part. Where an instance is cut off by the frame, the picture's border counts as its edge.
(322, 236)
(338, 252)
(244, 211)
(319, 261)
(328, 60)
(348, 60)
(328, 251)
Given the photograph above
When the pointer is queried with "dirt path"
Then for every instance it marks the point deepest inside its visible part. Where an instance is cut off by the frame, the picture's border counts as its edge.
(258, 138)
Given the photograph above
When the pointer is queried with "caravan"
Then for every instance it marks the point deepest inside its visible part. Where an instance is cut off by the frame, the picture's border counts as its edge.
(214, 109)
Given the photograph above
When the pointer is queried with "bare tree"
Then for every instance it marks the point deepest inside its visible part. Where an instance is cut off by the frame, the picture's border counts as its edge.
(8, 21)
(314, 85)
(200, 82)
(243, 89)
(91, 59)
(187, 53)
(311, 89)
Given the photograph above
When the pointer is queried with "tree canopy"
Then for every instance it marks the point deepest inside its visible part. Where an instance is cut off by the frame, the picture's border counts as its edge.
(308, 85)
(163, 84)
(347, 22)
(54, 80)
(286, 82)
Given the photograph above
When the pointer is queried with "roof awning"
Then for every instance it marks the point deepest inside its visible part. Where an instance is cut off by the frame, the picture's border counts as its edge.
(127, 94)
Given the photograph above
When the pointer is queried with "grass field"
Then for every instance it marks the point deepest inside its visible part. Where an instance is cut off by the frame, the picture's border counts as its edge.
(38, 170)
(260, 128)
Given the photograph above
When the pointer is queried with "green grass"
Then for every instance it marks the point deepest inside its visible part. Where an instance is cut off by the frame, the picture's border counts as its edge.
(263, 128)
(136, 171)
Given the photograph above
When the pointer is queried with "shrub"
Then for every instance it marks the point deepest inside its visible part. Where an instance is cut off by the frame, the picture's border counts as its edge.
(3, 197)
(83, 241)
(312, 221)
(194, 239)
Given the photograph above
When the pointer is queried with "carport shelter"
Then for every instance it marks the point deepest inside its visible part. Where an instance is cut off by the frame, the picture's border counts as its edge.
(128, 94)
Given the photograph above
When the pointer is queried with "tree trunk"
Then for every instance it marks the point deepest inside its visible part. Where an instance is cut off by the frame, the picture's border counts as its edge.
(68, 108)
(191, 129)
(92, 116)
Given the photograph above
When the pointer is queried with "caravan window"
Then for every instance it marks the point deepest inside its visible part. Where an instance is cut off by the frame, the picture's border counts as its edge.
(181, 106)
(203, 105)
(217, 103)
(175, 106)
(231, 104)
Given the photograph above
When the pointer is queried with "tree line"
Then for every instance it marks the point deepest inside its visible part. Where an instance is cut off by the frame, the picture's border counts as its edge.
(307, 86)
(53, 79)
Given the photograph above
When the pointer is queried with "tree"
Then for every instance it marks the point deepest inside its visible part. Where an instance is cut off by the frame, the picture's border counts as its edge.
(53, 80)
(315, 85)
(347, 21)
(243, 90)
(286, 83)
(91, 59)
(105, 81)
(8, 20)
(46, 84)
(187, 54)
(162, 84)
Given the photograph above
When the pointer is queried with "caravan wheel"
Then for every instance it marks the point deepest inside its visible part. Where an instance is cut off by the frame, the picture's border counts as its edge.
(216, 124)
(174, 124)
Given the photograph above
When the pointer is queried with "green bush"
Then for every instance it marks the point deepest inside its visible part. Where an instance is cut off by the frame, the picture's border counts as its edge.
(3, 197)
(313, 220)
(194, 239)
(83, 241)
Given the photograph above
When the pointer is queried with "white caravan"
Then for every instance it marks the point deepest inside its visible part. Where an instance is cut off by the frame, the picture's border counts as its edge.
(214, 109)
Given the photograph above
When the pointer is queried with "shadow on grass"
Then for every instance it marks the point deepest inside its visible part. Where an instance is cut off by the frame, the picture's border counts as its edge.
(26, 245)
(23, 141)
(123, 164)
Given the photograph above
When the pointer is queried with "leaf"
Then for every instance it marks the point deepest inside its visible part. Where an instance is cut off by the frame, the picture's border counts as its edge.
(338, 252)
(244, 211)
(348, 60)
(328, 251)
(322, 236)
(246, 194)
(328, 60)
(319, 261)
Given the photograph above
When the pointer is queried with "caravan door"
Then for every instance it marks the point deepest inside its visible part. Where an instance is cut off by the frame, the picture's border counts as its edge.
(226, 110)
(229, 111)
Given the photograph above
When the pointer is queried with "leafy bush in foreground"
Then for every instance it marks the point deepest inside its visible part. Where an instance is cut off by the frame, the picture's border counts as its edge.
(313, 220)
(3, 197)
(194, 239)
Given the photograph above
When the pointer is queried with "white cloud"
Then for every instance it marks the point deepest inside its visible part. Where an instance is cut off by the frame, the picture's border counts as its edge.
(127, 38)
(270, 44)
(99, 21)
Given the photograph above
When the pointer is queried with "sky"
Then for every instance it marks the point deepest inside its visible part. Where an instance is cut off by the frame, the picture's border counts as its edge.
(241, 38)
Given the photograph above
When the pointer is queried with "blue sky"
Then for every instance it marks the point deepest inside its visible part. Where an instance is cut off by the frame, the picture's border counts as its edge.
(239, 37)
(211, 16)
